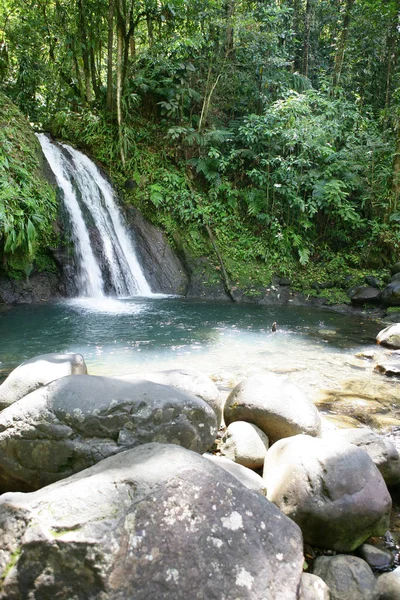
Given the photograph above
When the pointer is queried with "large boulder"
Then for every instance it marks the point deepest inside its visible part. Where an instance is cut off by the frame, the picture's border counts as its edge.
(155, 522)
(39, 371)
(245, 444)
(313, 588)
(391, 294)
(334, 492)
(382, 451)
(77, 421)
(388, 586)
(188, 380)
(348, 577)
(390, 336)
(364, 294)
(273, 403)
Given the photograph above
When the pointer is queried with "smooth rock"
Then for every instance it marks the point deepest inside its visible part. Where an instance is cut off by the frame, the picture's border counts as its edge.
(39, 371)
(188, 380)
(246, 476)
(348, 577)
(313, 588)
(391, 294)
(76, 421)
(395, 268)
(334, 493)
(375, 557)
(390, 336)
(388, 585)
(273, 403)
(245, 444)
(382, 451)
(364, 295)
(390, 368)
(156, 522)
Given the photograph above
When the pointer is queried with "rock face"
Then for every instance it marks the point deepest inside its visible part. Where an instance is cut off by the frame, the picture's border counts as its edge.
(334, 493)
(380, 449)
(39, 371)
(187, 380)
(154, 522)
(163, 269)
(277, 406)
(348, 577)
(76, 421)
(245, 444)
(39, 287)
(390, 336)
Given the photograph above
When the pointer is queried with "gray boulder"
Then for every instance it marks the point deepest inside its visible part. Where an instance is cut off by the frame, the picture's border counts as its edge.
(313, 588)
(364, 295)
(391, 294)
(77, 421)
(388, 367)
(388, 585)
(245, 444)
(395, 268)
(348, 577)
(375, 557)
(187, 380)
(390, 336)
(382, 451)
(334, 492)
(156, 522)
(246, 476)
(273, 403)
(39, 371)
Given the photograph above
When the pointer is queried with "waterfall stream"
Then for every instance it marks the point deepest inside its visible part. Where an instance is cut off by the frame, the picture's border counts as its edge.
(88, 196)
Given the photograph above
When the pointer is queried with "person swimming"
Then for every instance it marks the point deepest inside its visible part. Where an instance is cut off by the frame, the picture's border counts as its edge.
(273, 328)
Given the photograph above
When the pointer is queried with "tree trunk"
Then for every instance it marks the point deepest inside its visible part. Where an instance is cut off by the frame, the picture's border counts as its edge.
(110, 42)
(120, 52)
(306, 43)
(230, 10)
(85, 51)
(337, 71)
(396, 170)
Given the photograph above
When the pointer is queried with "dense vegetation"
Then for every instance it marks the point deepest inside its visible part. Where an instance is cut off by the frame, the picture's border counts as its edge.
(267, 134)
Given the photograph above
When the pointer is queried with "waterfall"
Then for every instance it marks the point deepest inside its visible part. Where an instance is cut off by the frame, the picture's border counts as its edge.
(89, 196)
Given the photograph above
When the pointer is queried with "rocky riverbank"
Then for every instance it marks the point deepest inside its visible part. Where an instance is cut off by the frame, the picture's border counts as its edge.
(122, 498)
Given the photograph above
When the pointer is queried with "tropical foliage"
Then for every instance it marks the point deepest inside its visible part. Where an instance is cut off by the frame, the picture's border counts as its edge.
(270, 130)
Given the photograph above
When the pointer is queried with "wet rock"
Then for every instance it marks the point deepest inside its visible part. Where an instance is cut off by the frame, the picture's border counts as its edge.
(76, 421)
(390, 336)
(388, 586)
(162, 266)
(39, 287)
(273, 403)
(334, 493)
(245, 444)
(390, 368)
(313, 588)
(348, 577)
(395, 268)
(381, 450)
(39, 371)
(375, 557)
(364, 295)
(371, 281)
(391, 294)
(187, 380)
(246, 476)
(395, 277)
(157, 522)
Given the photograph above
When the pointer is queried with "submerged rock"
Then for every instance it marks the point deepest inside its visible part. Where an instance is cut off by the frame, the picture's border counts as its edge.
(334, 493)
(273, 403)
(156, 522)
(39, 371)
(76, 421)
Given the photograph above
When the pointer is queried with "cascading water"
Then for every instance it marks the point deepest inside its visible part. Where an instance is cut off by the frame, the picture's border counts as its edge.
(75, 171)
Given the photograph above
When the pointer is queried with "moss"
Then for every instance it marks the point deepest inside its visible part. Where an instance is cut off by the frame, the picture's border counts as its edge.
(10, 565)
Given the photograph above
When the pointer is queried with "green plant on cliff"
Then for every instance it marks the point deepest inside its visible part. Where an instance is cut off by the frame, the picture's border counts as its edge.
(27, 201)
